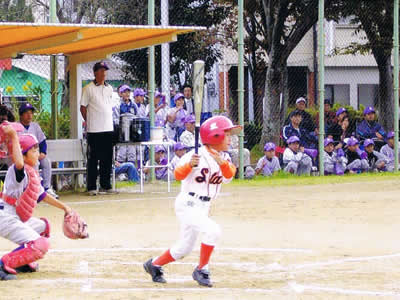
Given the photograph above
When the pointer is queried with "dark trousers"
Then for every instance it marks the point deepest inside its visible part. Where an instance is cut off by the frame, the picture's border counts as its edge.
(99, 149)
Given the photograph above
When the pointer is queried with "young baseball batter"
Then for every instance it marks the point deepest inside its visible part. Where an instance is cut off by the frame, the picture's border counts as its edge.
(202, 176)
(22, 191)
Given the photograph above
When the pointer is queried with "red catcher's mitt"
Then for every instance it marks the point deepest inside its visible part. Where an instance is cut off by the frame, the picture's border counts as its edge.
(74, 226)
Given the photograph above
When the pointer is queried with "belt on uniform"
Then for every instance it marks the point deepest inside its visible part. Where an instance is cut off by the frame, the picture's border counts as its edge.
(202, 198)
(1, 207)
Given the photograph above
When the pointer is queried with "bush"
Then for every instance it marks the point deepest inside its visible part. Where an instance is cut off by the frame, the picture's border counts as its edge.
(252, 134)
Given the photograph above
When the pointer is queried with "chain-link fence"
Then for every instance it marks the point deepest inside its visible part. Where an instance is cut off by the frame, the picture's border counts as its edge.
(281, 97)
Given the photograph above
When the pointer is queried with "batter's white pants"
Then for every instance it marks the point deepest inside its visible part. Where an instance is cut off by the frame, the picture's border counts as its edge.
(192, 214)
(13, 229)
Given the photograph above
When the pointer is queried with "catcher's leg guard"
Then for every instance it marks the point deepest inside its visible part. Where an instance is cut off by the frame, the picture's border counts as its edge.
(31, 252)
(46, 232)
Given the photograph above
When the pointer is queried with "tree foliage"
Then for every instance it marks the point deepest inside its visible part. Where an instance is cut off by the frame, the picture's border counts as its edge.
(375, 18)
(188, 47)
(15, 11)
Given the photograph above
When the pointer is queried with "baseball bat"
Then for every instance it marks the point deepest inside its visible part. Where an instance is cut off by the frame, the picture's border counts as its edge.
(198, 88)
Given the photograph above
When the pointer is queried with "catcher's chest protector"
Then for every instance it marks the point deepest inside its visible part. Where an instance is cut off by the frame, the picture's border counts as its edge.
(25, 205)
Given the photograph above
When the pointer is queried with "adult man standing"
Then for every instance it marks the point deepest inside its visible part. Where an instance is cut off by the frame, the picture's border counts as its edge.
(189, 101)
(25, 117)
(96, 110)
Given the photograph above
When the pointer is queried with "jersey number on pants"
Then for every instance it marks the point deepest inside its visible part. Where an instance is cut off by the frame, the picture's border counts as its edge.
(214, 179)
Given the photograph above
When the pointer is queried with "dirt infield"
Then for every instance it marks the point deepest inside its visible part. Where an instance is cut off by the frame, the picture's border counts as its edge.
(337, 241)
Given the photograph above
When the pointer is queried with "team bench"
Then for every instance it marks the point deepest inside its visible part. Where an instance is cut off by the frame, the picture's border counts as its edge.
(65, 150)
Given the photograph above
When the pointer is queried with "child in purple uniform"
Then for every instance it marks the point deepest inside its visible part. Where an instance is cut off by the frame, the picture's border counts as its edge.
(269, 163)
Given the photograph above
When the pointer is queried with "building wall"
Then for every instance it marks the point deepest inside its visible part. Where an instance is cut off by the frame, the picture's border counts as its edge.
(353, 85)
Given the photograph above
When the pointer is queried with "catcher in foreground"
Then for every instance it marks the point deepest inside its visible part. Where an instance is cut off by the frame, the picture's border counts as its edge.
(22, 191)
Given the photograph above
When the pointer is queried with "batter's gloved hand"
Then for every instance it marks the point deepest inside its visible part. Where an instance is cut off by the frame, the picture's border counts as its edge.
(74, 226)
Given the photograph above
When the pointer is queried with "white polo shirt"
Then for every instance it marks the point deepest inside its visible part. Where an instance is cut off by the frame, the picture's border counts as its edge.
(99, 102)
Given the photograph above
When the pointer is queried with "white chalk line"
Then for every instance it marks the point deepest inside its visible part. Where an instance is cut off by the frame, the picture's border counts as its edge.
(148, 249)
(200, 289)
(115, 200)
(300, 288)
(345, 260)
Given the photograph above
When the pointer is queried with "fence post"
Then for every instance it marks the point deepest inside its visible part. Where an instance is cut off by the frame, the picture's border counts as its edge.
(321, 84)
(241, 86)
(151, 84)
(53, 78)
(396, 84)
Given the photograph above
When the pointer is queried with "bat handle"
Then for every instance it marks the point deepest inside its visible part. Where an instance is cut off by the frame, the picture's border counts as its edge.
(196, 139)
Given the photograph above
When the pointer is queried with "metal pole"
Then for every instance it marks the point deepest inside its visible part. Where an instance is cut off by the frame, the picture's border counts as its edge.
(241, 86)
(53, 78)
(396, 84)
(151, 84)
(321, 84)
(165, 69)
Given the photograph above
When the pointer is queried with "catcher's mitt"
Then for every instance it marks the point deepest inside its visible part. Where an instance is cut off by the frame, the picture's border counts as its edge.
(74, 226)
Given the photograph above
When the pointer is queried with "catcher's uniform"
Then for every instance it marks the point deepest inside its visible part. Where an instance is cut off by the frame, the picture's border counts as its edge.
(193, 202)
(11, 226)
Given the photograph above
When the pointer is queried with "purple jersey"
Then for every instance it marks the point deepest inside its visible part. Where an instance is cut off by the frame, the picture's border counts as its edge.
(268, 166)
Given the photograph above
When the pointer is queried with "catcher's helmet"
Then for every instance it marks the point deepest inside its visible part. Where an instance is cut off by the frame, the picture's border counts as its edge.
(27, 141)
(212, 132)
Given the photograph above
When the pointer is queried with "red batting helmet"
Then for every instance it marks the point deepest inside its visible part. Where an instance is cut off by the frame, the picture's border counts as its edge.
(27, 141)
(212, 132)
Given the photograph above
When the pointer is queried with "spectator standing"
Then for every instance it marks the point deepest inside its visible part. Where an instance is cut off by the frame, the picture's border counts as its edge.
(140, 107)
(269, 163)
(96, 109)
(176, 118)
(160, 112)
(187, 137)
(26, 119)
(189, 101)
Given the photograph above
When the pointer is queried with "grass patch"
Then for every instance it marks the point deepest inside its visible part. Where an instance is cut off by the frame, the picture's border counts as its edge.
(284, 179)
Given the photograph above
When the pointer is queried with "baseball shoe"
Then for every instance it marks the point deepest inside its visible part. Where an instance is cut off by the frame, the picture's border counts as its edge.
(92, 193)
(155, 272)
(202, 277)
(4, 275)
(107, 192)
(29, 268)
(52, 193)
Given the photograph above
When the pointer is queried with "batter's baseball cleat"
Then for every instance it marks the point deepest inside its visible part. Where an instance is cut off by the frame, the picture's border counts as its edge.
(202, 277)
(155, 272)
(4, 275)
(29, 268)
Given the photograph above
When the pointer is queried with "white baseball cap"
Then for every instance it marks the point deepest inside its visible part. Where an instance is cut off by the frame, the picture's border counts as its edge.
(300, 100)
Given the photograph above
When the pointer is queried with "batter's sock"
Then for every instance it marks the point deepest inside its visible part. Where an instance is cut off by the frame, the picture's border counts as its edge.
(205, 253)
(163, 259)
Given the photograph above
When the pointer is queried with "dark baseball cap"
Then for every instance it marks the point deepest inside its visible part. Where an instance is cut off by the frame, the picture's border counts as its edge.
(25, 107)
(100, 65)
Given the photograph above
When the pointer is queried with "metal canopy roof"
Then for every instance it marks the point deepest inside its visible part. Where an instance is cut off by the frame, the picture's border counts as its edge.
(82, 42)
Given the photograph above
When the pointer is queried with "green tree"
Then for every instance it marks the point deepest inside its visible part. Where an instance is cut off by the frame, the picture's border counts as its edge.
(188, 47)
(15, 11)
(375, 18)
(279, 27)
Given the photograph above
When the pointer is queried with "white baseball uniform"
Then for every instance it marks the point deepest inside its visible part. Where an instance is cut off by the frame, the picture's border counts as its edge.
(11, 226)
(193, 202)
